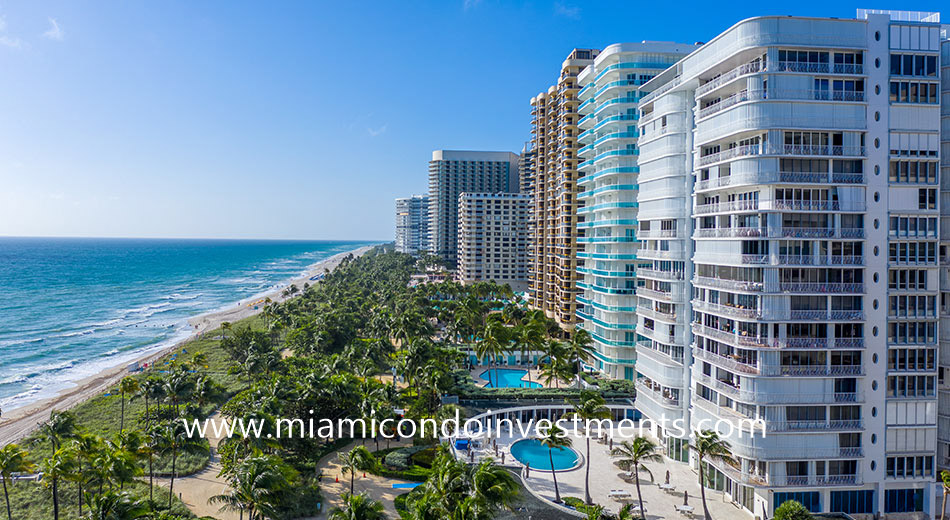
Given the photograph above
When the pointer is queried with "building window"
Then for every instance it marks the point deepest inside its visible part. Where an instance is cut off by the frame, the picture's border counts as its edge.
(903, 500)
(810, 499)
(853, 502)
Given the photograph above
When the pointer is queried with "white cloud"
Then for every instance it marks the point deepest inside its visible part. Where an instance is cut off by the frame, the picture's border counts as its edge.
(374, 132)
(569, 11)
(54, 32)
(11, 42)
(469, 4)
(3, 24)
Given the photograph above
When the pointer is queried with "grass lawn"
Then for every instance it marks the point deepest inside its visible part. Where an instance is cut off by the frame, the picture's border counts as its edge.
(33, 501)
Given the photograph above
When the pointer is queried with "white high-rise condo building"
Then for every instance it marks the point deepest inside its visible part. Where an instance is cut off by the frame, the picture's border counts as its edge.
(607, 200)
(453, 172)
(788, 205)
(412, 224)
(943, 384)
(493, 239)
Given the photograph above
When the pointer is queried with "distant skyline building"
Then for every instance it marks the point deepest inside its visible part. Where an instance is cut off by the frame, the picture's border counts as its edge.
(453, 172)
(607, 239)
(552, 253)
(412, 224)
(493, 239)
(788, 206)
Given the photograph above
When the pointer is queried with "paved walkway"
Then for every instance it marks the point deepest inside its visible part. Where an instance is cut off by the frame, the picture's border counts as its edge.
(376, 487)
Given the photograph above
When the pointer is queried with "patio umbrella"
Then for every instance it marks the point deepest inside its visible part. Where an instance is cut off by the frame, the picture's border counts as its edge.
(685, 498)
(667, 477)
(527, 470)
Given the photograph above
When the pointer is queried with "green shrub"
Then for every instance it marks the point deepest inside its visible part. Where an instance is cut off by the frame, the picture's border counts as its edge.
(792, 510)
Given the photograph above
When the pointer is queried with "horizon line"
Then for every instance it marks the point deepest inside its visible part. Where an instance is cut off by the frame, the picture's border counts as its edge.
(90, 237)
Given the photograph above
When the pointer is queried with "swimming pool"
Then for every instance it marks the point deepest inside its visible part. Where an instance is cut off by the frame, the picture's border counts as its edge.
(531, 452)
(507, 378)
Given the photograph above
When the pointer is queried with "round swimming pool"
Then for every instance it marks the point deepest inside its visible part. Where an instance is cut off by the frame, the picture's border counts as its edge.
(507, 378)
(531, 452)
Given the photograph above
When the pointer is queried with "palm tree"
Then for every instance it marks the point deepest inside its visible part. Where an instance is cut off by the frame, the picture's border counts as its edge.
(84, 448)
(13, 459)
(255, 486)
(358, 507)
(357, 459)
(150, 388)
(579, 349)
(945, 479)
(632, 455)
(128, 386)
(590, 407)
(492, 345)
(173, 440)
(492, 485)
(56, 467)
(709, 446)
(530, 339)
(555, 438)
(115, 506)
(60, 427)
(626, 512)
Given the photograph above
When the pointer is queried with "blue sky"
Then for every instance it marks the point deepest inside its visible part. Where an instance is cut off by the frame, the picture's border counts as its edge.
(282, 119)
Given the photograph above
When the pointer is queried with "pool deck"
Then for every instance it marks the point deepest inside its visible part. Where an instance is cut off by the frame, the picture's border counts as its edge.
(605, 477)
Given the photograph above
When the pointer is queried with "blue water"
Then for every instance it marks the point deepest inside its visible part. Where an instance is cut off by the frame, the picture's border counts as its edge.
(71, 307)
(507, 378)
(531, 452)
(406, 485)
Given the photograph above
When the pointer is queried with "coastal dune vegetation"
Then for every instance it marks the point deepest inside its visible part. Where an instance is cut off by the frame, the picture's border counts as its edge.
(330, 352)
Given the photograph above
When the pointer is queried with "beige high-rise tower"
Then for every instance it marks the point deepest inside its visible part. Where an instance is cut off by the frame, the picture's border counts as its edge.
(552, 262)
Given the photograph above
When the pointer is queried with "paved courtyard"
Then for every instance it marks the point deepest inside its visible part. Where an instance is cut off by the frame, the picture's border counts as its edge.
(605, 477)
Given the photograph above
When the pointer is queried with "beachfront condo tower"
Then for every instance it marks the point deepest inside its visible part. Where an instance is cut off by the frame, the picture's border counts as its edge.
(493, 239)
(412, 224)
(552, 254)
(943, 411)
(607, 202)
(789, 209)
(453, 172)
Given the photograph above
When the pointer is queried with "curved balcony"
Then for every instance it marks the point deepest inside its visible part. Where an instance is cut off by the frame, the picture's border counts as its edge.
(740, 179)
(840, 315)
(779, 95)
(725, 362)
(647, 351)
(821, 287)
(673, 276)
(729, 285)
(667, 317)
(656, 396)
(728, 311)
(742, 70)
(656, 254)
(606, 223)
(655, 295)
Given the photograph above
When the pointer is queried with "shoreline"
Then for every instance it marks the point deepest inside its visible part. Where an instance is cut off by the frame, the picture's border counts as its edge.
(20, 422)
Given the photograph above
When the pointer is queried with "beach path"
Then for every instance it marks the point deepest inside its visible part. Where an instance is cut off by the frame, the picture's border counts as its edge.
(195, 490)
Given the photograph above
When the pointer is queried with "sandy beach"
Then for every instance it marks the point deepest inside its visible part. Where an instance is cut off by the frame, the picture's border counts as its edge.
(19, 422)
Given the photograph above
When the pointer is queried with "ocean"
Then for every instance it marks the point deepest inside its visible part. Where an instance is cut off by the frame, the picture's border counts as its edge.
(71, 307)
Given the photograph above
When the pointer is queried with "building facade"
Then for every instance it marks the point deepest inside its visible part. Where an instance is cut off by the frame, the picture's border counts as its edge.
(553, 252)
(943, 412)
(607, 200)
(493, 239)
(412, 224)
(453, 172)
(789, 170)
